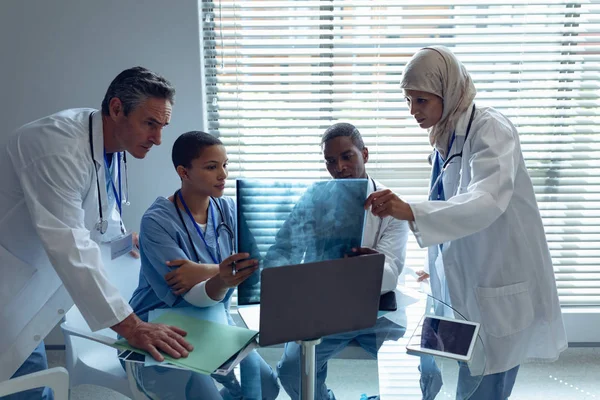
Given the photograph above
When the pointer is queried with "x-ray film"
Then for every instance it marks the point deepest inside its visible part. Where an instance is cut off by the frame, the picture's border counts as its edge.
(290, 222)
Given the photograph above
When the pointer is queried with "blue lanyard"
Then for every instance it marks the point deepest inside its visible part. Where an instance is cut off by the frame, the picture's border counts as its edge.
(212, 216)
(439, 162)
(118, 196)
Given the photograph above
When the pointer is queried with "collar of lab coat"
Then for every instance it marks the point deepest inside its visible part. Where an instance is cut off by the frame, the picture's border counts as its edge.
(463, 122)
(98, 136)
(461, 130)
(373, 224)
(371, 185)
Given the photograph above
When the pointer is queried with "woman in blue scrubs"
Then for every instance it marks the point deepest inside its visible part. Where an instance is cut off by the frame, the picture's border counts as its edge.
(193, 232)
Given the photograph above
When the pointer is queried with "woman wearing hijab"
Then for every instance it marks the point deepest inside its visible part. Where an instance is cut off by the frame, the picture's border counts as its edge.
(487, 251)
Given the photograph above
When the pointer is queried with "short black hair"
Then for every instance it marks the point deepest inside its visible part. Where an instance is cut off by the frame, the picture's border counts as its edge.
(189, 146)
(134, 86)
(343, 129)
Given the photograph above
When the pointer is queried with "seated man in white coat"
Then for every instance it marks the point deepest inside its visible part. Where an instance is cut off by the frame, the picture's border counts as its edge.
(345, 157)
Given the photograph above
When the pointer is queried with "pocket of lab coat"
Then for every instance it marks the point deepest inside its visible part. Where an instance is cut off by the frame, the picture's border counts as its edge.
(14, 275)
(505, 310)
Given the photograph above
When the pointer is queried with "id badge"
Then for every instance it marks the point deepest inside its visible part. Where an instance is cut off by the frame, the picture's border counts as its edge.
(120, 245)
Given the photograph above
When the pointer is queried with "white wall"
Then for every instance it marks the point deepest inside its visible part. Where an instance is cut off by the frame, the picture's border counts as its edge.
(64, 53)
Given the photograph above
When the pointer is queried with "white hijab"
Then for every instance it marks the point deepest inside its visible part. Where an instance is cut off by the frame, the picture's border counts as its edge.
(436, 70)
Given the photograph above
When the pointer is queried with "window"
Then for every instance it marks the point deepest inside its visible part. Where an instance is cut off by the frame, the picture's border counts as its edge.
(278, 73)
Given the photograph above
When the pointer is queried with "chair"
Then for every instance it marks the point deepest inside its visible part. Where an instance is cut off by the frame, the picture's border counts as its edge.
(56, 379)
(90, 362)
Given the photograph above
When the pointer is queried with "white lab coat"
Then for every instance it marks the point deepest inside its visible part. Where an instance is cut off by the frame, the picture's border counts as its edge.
(48, 241)
(388, 236)
(496, 261)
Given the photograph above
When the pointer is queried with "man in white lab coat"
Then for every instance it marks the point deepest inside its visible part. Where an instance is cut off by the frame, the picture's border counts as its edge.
(60, 184)
(345, 156)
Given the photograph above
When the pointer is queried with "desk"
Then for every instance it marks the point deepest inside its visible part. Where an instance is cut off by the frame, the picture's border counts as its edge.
(398, 373)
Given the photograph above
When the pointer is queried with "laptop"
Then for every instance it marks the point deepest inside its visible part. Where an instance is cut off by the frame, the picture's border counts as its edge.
(312, 300)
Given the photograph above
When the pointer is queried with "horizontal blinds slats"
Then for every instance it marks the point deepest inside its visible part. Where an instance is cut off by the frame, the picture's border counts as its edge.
(259, 120)
(508, 70)
(585, 144)
(281, 37)
(278, 73)
(405, 3)
(389, 45)
(552, 81)
(447, 13)
(477, 59)
(239, 10)
(394, 22)
(517, 105)
(376, 50)
(362, 75)
(325, 85)
(551, 124)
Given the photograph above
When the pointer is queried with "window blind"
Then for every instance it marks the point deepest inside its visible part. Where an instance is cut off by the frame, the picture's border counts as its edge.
(278, 73)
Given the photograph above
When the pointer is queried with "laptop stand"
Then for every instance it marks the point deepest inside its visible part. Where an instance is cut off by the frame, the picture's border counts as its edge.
(308, 369)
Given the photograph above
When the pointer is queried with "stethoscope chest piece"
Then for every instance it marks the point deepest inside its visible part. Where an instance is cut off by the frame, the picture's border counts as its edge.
(102, 226)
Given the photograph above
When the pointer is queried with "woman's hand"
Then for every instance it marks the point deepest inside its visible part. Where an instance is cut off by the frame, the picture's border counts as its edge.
(386, 203)
(218, 285)
(244, 267)
(188, 274)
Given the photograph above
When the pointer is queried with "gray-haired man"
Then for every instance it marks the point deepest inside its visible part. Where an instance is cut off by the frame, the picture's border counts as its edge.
(60, 185)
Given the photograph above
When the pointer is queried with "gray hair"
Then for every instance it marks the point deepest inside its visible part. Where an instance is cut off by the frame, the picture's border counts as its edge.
(346, 130)
(134, 85)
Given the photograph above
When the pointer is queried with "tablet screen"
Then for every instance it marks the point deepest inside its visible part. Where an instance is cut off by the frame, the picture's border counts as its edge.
(447, 336)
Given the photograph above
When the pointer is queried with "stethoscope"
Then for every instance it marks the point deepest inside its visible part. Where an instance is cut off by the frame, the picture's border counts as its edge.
(102, 224)
(218, 228)
(452, 157)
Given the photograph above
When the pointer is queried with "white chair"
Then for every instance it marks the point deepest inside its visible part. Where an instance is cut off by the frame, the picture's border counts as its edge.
(56, 379)
(90, 362)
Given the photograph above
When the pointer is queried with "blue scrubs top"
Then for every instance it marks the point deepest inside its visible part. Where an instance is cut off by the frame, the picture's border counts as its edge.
(163, 238)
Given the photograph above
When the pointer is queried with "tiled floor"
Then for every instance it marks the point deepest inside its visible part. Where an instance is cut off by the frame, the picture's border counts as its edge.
(576, 376)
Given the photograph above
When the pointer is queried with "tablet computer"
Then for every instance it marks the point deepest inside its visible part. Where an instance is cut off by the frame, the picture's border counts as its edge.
(444, 337)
